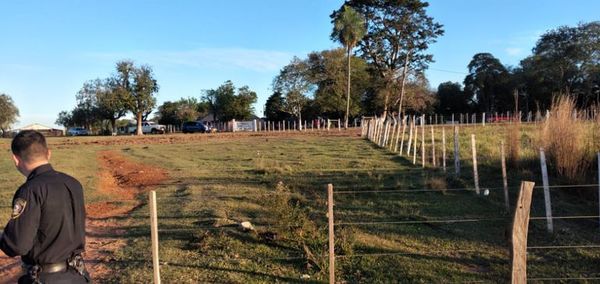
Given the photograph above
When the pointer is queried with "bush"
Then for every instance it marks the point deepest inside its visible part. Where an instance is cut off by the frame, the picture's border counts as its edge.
(563, 140)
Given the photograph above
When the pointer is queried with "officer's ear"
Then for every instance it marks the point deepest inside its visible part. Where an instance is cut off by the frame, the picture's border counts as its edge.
(17, 160)
(48, 155)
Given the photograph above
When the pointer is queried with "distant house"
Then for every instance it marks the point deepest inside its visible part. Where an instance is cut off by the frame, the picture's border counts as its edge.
(47, 131)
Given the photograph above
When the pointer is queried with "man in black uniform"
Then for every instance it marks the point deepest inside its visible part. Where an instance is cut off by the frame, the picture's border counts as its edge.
(47, 225)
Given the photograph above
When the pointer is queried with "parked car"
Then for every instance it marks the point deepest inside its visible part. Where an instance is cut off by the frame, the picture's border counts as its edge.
(77, 131)
(147, 127)
(194, 126)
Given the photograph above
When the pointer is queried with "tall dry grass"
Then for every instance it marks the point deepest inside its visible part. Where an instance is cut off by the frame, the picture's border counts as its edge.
(564, 141)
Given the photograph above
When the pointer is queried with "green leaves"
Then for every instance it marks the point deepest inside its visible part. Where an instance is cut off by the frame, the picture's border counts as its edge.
(8, 112)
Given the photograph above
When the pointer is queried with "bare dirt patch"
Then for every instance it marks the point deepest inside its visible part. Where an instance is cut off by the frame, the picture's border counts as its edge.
(121, 181)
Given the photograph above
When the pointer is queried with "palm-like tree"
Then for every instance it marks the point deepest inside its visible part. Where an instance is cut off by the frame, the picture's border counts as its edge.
(349, 28)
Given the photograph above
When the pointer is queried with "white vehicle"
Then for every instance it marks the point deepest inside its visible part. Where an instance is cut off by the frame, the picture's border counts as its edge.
(147, 127)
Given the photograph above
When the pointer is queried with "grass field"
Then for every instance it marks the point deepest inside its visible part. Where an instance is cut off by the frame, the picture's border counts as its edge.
(279, 185)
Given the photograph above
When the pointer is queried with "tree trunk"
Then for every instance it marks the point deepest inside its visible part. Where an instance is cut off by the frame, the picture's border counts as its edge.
(300, 120)
(139, 124)
(113, 123)
(404, 72)
(348, 94)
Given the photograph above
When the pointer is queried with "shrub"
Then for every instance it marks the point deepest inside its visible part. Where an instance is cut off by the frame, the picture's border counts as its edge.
(563, 139)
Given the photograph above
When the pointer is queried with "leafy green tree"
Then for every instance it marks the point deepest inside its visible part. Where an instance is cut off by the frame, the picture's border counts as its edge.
(349, 28)
(451, 99)
(326, 72)
(487, 83)
(564, 61)
(137, 86)
(274, 106)
(176, 113)
(398, 34)
(86, 112)
(293, 81)
(111, 101)
(65, 119)
(227, 105)
(8, 112)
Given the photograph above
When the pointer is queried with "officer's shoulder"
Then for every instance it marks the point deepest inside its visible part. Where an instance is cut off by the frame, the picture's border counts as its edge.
(67, 178)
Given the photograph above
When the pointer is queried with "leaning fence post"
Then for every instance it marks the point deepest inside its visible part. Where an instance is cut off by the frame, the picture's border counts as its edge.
(415, 145)
(154, 235)
(504, 176)
(475, 173)
(331, 233)
(456, 153)
(547, 200)
(520, 227)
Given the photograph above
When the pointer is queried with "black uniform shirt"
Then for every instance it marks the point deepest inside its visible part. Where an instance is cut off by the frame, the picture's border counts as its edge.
(47, 224)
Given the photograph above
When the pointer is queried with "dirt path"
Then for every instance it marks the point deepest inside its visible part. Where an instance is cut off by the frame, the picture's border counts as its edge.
(121, 181)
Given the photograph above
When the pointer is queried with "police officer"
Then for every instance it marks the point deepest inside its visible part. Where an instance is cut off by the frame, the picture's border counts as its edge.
(47, 224)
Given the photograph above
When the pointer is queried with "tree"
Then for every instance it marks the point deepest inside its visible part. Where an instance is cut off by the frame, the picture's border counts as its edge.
(565, 61)
(487, 83)
(111, 101)
(326, 71)
(451, 99)
(176, 113)
(65, 118)
(137, 86)
(294, 83)
(398, 34)
(274, 107)
(227, 105)
(349, 28)
(8, 112)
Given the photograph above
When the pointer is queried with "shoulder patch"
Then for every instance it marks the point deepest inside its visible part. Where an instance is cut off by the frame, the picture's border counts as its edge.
(18, 208)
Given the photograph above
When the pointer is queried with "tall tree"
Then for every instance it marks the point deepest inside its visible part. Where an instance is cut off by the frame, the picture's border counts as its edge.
(327, 72)
(566, 61)
(274, 107)
(349, 28)
(487, 82)
(138, 86)
(294, 83)
(451, 99)
(227, 105)
(8, 112)
(398, 34)
(111, 101)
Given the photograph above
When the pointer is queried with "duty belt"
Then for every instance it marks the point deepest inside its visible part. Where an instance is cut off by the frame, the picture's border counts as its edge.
(45, 268)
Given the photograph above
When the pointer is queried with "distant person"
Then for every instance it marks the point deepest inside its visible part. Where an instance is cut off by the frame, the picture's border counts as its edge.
(47, 224)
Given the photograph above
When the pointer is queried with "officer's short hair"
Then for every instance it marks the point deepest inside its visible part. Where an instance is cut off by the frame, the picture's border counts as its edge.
(29, 145)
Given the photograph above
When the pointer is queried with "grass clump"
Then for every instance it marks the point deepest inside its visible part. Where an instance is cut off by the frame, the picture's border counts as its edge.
(563, 138)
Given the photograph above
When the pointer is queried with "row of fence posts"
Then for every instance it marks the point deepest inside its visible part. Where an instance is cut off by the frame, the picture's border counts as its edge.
(519, 232)
(294, 125)
(374, 130)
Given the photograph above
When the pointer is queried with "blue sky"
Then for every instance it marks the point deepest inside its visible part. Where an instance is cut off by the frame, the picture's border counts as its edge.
(49, 48)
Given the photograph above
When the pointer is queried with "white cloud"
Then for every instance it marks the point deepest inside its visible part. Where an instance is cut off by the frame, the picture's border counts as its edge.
(221, 58)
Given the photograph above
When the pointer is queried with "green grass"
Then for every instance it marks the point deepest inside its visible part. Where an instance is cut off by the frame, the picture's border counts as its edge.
(216, 184)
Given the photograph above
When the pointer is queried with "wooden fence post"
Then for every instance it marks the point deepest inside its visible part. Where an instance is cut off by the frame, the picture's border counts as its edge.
(444, 148)
(504, 176)
(475, 173)
(598, 187)
(410, 137)
(391, 142)
(331, 234)
(433, 162)
(154, 236)
(423, 141)
(415, 145)
(520, 226)
(547, 200)
(404, 122)
(456, 153)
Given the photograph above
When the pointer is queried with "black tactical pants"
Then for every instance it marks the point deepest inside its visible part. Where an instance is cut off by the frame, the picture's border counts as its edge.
(67, 277)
